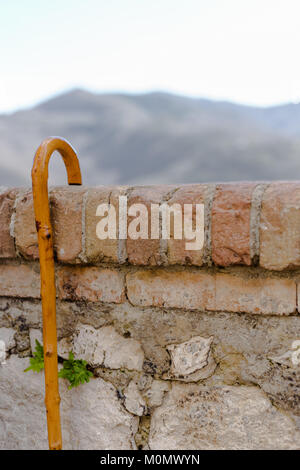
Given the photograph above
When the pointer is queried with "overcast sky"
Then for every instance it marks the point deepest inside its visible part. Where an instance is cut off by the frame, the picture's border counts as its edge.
(240, 50)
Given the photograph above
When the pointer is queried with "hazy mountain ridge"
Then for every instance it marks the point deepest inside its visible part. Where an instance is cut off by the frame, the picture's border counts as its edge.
(154, 138)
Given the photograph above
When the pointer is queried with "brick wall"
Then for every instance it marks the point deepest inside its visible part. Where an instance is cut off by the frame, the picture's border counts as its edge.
(166, 330)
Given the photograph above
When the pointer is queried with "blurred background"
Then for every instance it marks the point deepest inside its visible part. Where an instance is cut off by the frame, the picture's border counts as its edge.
(166, 91)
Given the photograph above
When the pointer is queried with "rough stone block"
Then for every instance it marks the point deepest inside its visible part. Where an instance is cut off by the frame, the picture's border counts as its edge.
(192, 360)
(133, 401)
(103, 347)
(92, 416)
(220, 418)
(7, 336)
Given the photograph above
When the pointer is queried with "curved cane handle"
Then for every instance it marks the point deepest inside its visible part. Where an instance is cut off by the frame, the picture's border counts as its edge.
(48, 292)
(39, 173)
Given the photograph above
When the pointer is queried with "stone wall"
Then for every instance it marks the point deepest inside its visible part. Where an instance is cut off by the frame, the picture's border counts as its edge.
(189, 349)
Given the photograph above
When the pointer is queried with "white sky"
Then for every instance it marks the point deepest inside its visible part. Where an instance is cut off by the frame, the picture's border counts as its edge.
(239, 50)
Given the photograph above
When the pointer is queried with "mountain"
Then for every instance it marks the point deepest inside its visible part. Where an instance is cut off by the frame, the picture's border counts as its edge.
(154, 138)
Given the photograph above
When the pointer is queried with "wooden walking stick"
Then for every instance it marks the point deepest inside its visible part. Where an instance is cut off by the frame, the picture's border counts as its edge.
(48, 292)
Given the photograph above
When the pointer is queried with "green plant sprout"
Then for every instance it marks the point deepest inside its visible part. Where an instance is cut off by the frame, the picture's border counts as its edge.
(74, 370)
(37, 361)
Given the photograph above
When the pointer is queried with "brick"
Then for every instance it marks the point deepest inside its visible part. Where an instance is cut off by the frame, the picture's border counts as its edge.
(189, 290)
(231, 224)
(24, 227)
(66, 215)
(176, 249)
(280, 226)
(91, 284)
(19, 281)
(7, 244)
(121, 244)
(98, 250)
(255, 296)
(146, 252)
(204, 291)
